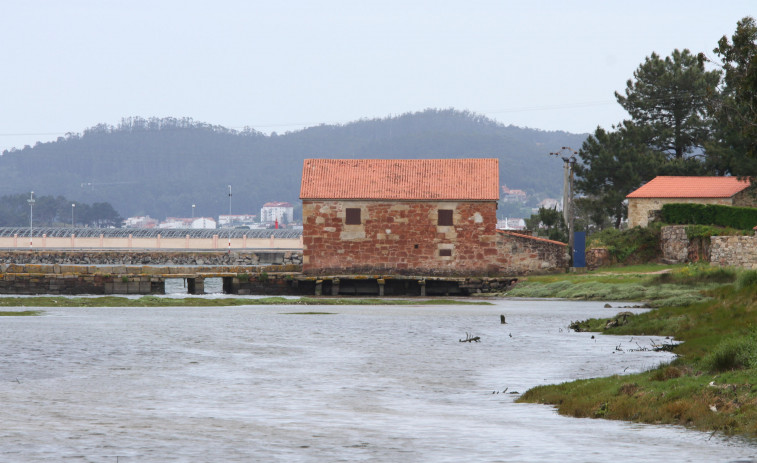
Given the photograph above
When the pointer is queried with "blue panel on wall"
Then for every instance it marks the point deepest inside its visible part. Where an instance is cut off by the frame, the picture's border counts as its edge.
(579, 249)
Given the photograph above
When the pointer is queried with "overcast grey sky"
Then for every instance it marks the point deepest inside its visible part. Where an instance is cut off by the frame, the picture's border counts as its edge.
(282, 65)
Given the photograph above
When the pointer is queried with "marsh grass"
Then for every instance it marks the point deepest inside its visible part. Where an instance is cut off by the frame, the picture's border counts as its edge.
(23, 313)
(711, 385)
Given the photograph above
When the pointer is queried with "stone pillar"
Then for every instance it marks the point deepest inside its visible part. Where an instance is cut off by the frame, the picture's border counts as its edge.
(101, 240)
(318, 287)
(129, 241)
(15, 240)
(215, 241)
(186, 242)
(335, 287)
(381, 283)
(244, 241)
(73, 240)
(44, 240)
(158, 241)
(423, 287)
(196, 285)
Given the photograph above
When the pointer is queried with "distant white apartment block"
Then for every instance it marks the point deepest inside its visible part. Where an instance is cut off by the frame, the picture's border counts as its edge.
(187, 222)
(277, 211)
(239, 220)
(142, 221)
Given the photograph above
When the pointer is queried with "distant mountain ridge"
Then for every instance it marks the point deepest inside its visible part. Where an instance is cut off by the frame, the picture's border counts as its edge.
(160, 167)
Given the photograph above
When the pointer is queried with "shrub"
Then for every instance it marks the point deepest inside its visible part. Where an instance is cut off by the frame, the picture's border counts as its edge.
(733, 353)
(630, 246)
(747, 278)
(263, 276)
(743, 218)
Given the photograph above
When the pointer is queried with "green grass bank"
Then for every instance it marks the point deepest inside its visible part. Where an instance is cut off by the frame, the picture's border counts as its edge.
(710, 386)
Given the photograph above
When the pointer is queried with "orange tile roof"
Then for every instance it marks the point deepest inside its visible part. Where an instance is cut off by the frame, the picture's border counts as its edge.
(690, 187)
(410, 179)
(536, 238)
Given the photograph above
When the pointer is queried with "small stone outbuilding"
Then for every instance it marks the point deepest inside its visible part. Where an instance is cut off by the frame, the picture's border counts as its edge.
(728, 191)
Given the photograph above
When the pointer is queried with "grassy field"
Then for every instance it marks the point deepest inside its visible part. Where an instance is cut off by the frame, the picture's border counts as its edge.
(154, 301)
(711, 385)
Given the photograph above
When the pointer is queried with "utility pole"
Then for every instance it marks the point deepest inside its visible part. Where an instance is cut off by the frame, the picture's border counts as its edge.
(569, 159)
(229, 219)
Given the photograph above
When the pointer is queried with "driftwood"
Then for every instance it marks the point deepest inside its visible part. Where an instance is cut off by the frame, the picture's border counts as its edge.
(469, 338)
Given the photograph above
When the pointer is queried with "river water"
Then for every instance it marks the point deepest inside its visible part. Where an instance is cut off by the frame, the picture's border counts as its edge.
(259, 383)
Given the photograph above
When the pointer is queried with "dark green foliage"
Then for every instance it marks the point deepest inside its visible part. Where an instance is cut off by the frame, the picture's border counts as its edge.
(630, 246)
(161, 167)
(612, 165)
(670, 97)
(55, 211)
(706, 231)
(736, 107)
(548, 223)
(744, 218)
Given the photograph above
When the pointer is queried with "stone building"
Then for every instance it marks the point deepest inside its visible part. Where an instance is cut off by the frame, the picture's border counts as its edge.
(411, 217)
(728, 191)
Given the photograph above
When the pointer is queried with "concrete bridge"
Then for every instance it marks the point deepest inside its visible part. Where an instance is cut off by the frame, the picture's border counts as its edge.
(263, 272)
(152, 238)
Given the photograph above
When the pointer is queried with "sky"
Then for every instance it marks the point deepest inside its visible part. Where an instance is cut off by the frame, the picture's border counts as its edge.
(284, 65)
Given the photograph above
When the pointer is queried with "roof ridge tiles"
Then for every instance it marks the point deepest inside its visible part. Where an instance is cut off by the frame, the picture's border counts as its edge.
(473, 179)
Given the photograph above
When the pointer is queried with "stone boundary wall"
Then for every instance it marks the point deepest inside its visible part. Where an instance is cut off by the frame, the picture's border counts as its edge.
(677, 248)
(240, 258)
(528, 255)
(736, 251)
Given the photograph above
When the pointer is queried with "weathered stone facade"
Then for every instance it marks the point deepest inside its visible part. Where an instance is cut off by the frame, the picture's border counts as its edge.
(400, 237)
(736, 251)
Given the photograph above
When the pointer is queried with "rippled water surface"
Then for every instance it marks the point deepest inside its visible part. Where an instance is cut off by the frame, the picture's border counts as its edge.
(388, 383)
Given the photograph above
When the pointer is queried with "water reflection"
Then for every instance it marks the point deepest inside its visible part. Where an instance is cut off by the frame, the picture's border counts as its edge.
(364, 383)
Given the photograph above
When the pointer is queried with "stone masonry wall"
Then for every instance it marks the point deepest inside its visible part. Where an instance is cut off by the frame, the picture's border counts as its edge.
(151, 258)
(525, 255)
(400, 237)
(677, 248)
(674, 244)
(737, 251)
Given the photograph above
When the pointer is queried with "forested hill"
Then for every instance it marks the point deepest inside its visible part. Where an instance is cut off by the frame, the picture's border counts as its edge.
(161, 167)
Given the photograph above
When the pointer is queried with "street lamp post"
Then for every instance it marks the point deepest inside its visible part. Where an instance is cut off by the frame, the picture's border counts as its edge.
(73, 205)
(193, 211)
(229, 219)
(31, 219)
(569, 163)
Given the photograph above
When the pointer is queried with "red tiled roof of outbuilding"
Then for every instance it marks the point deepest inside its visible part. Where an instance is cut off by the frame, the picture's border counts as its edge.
(408, 179)
(690, 187)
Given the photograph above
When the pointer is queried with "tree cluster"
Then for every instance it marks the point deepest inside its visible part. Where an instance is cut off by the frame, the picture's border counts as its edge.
(53, 211)
(689, 115)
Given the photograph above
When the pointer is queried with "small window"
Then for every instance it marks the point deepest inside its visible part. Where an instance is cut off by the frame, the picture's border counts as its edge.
(445, 216)
(353, 216)
(445, 253)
